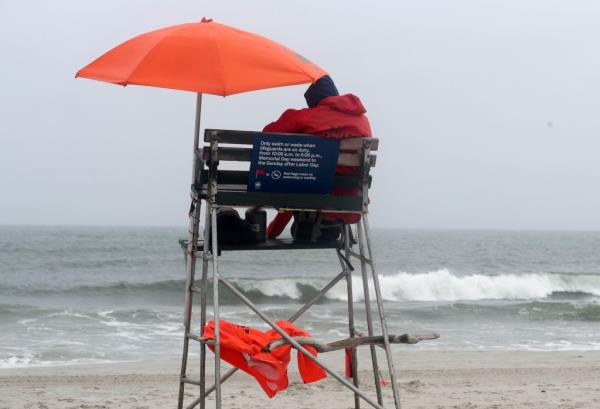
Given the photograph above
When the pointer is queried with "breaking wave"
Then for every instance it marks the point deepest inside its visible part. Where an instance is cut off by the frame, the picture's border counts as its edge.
(441, 285)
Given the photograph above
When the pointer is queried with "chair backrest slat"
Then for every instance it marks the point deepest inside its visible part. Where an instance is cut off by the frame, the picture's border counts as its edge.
(247, 138)
(229, 154)
(357, 143)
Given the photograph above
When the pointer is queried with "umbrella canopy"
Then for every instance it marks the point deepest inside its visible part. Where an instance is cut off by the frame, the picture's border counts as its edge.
(204, 57)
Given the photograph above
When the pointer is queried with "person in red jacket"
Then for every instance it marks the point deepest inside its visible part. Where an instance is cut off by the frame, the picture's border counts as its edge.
(330, 115)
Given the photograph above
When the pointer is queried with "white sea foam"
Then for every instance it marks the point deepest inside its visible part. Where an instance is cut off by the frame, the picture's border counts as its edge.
(275, 287)
(28, 362)
(443, 285)
(15, 362)
(70, 314)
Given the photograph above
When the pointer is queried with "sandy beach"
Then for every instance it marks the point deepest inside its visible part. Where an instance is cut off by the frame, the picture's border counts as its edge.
(434, 379)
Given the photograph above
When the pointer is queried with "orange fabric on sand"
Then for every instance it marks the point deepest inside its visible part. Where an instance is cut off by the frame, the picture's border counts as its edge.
(241, 346)
(203, 57)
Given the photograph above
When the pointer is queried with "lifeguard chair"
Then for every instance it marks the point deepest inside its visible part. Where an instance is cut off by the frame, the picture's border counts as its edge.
(292, 172)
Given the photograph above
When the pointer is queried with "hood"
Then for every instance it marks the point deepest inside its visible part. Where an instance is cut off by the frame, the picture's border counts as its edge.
(348, 103)
(322, 88)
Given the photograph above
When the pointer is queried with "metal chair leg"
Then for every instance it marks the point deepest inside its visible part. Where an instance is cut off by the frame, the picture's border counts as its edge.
(386, 341)
(215, 276)
(367, 299)
(203, 299)
(193, 229)
(351, 329)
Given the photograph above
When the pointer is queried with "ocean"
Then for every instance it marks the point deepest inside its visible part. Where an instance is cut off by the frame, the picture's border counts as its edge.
(105, 294)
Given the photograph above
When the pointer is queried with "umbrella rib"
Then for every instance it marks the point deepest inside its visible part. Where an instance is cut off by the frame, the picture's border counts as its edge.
(299, 66)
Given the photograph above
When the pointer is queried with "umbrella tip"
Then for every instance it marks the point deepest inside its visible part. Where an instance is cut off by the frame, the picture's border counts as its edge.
(206, 20)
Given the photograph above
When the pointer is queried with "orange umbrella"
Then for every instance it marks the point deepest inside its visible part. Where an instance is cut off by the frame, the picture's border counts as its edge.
(204, 57)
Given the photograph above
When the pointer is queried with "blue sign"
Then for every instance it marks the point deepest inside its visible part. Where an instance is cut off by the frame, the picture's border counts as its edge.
(293, 164)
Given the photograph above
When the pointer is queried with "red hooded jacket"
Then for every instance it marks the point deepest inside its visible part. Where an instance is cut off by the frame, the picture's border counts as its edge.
(338, 117)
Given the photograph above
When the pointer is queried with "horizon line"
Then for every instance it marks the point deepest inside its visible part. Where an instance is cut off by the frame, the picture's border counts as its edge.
(406, 228)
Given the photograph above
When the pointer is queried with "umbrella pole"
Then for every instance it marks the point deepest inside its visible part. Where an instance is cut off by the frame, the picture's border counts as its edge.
(193, 228)
(197, 129)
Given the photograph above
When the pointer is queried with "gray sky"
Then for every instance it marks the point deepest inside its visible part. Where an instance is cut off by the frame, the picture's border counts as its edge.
(487, 111)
